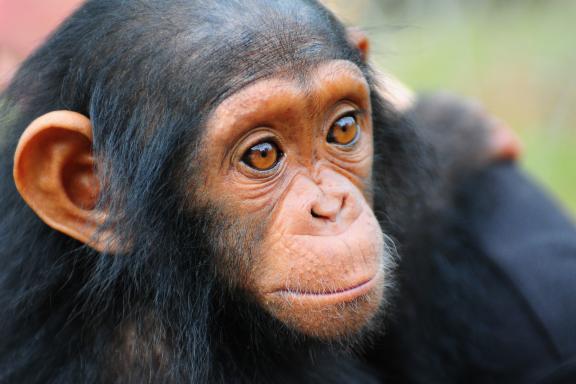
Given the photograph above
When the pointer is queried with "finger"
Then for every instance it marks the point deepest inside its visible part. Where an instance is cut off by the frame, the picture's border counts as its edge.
(503, 143)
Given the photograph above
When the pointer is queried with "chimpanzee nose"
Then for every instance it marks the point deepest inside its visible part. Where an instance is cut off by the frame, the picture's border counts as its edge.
(328, 207)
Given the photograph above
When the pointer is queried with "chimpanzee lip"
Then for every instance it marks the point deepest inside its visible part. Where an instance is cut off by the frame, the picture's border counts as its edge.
(329, 297)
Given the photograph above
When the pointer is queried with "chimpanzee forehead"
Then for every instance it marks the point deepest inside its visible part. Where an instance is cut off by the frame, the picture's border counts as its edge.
(285, 96)
(305, 81)
(236, 65)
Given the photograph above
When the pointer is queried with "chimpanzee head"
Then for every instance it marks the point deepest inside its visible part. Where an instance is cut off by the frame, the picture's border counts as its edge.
(217, 159)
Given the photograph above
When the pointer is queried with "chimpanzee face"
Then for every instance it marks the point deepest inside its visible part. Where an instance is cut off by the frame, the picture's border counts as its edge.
(294, 155)
(285, 159)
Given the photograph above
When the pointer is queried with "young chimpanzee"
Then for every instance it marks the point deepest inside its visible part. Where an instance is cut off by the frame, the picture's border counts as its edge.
(209, 192)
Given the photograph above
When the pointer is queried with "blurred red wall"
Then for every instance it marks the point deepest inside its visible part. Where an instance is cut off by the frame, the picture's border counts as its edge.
(24, 24)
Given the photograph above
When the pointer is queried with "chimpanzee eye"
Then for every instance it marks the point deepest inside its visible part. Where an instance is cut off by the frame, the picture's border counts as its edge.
(345, 131)
(263, 156)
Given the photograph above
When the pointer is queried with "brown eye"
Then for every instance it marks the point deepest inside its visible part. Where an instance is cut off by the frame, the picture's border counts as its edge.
(263, 156)
(345, 131)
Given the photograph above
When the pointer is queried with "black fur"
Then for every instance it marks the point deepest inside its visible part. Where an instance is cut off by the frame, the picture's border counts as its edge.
(148, 73)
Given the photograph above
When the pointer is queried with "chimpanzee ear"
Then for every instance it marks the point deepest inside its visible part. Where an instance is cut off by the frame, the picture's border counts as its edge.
(55, 173)
(359, 39)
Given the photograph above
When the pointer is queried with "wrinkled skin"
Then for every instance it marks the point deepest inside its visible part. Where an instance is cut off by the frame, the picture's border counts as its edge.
(322, 267)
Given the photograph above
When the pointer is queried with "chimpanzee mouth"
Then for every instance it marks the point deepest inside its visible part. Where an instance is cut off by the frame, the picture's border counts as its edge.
(330, 296)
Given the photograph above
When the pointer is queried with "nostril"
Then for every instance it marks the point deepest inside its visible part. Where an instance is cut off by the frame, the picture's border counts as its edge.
(314, 214)
(328, 207)
(329, 213)
(343, 202)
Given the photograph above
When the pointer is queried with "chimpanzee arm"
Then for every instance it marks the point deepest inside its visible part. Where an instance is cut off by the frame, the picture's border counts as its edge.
(529, 242)
(488, 294)
(492, 297)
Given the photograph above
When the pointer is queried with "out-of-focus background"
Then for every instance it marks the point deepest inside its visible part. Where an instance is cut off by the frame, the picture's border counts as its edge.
(518, 57)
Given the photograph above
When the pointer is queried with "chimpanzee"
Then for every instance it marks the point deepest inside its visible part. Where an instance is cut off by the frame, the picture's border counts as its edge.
(215, 192)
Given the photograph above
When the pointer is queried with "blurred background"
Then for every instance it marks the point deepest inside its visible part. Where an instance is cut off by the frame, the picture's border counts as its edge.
(518, 57)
